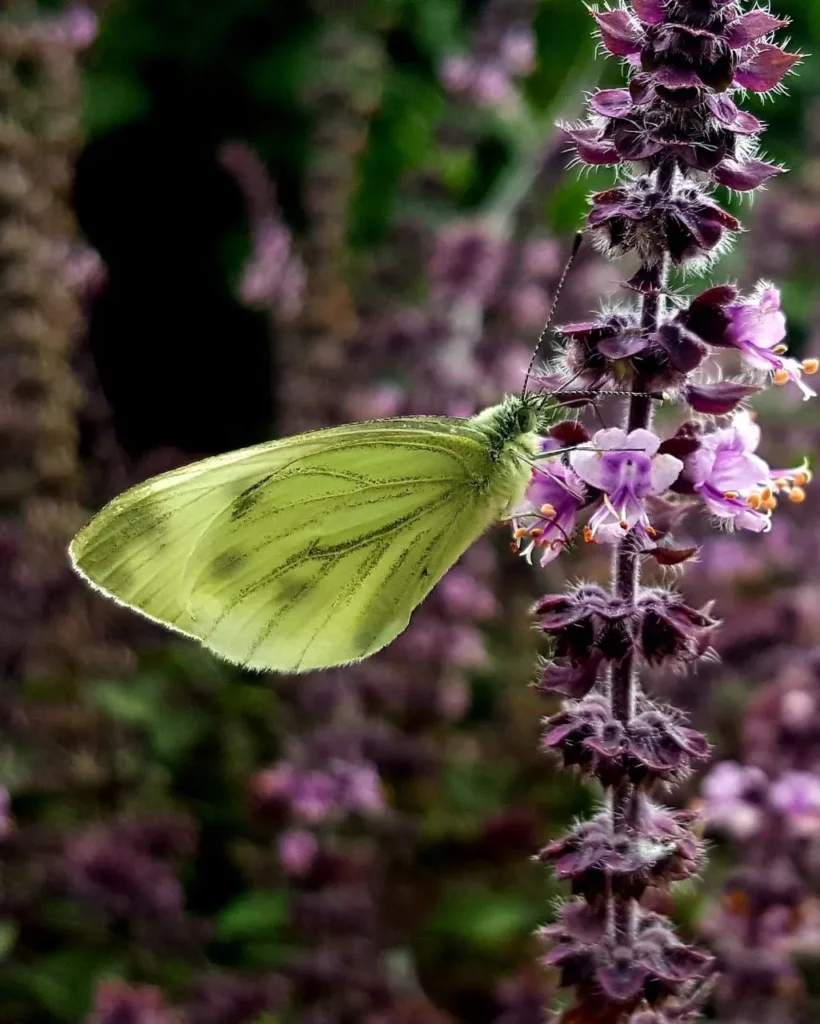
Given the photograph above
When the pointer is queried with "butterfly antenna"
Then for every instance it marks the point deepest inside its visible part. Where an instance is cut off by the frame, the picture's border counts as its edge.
(576, 245)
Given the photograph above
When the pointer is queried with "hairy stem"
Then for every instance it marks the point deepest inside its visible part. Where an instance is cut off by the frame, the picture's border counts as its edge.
(626, 580)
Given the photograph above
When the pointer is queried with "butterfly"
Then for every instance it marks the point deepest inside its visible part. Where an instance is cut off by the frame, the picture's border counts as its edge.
(313, 551)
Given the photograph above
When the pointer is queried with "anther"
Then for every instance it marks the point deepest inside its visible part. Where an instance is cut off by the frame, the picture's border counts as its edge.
(589, 536)
(770, 504)
(548, 511)
(797, 495)
(780, 350)
(754, 501)
(802, 478)
(536, 533)
(781, 377)
(520, 533)
(811, 366)
(781, 483)
(651, 531)
(731, 495)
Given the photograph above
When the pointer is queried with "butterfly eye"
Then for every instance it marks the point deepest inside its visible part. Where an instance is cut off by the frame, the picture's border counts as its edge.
(526, 419)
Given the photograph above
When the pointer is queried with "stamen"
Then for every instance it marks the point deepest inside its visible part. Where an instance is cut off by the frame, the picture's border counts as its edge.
(770, 504)
(780, 350)
(536, 533)
(811, 366)
(651, 531)
(766, 494)
(754, 501)
(589, 536)
(624, 525)
(803, 477)
(781, 377)
(520, 533)
(731, 495)
(781, 483)
(797, 495)
(548, 511)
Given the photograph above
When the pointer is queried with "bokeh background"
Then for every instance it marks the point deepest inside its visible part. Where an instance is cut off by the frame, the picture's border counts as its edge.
(224, 222)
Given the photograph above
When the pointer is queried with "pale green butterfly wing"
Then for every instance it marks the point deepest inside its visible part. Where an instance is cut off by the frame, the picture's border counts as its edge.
(302, 553)
(323, 563)
(137, 548)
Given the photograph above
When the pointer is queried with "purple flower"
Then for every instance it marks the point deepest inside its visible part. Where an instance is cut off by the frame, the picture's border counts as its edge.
(360, 788)
(297, 851)
(517, 51)
(797, 796)
(554, 497)
(733, 798)
(627, 468)
(757, 328)
(115, 1002)
(467, 264)
(486, 84)
(736, 484)
(6, 820)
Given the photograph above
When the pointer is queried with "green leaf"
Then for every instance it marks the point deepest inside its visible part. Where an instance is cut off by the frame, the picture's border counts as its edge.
(254, 915)
(112, 100)
(8, 937)
(63, 983)
(486, 920)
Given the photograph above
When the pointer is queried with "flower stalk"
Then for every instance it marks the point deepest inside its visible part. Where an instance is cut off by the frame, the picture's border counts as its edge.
(677, 134)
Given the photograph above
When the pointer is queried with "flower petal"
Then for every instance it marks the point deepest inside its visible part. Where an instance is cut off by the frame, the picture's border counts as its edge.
(665, 471)
(610, 439)
(589, 467)
(642, 440)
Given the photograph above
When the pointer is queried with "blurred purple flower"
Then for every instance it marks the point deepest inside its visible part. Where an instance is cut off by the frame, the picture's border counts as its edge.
(466, 264)
(733, 798)
(115, 1002)
(627, 468)
(119, 880)
(274, 277)
(297, 851)
(463, 595)
(6, 820)
(796, 795)
(486, 83)
(232, 999)
(517, 51)
(457, 73)
(315, 795)
(75, 28)
(360, 788)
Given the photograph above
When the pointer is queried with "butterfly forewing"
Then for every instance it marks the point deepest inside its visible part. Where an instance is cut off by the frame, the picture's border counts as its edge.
(302, 553)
